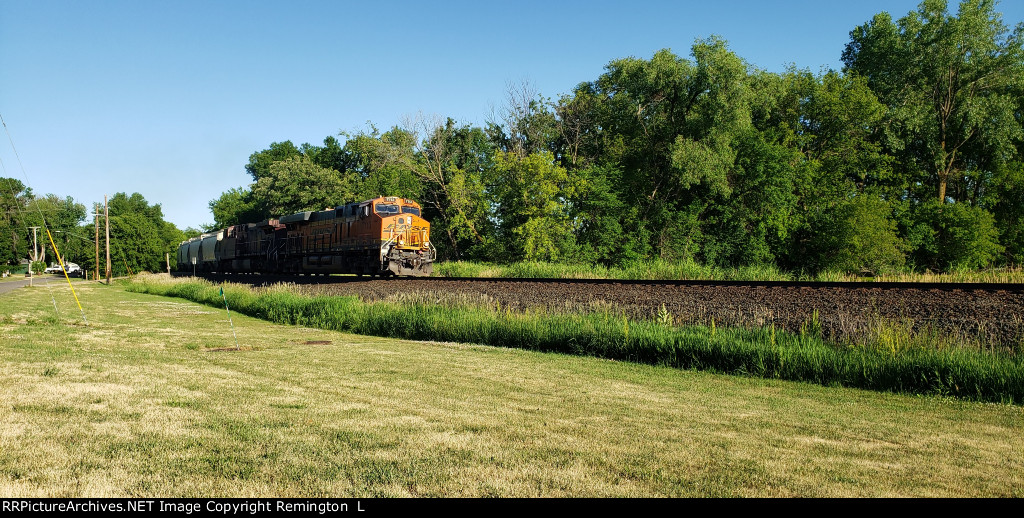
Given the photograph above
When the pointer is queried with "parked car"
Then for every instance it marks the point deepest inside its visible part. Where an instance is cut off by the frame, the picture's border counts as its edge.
(71, 268)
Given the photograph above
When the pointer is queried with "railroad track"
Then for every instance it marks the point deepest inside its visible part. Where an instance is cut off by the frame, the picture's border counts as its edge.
(991, 312)
(264, 279)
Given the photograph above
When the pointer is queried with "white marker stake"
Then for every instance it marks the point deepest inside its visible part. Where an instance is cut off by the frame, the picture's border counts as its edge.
(229, 317)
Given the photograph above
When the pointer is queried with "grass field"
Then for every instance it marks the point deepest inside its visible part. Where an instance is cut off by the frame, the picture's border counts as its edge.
(146, 401)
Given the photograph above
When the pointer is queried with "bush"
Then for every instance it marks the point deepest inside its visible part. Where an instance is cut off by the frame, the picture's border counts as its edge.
(955, 236)
(860, 236)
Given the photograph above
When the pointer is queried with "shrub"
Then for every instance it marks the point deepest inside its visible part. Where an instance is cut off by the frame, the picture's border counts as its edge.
(860, 235)
(956, 236)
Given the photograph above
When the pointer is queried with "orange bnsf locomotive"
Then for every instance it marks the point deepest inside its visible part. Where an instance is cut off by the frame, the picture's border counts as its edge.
(382, 236)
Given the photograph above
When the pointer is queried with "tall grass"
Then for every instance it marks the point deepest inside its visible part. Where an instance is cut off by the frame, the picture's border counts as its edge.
(993, 275)
(659, 269)
(656, 269)
(975, 375)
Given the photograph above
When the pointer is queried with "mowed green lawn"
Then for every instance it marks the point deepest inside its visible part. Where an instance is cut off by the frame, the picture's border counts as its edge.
(137, 404)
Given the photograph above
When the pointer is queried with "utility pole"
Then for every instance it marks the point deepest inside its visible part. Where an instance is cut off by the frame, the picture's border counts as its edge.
(35, 245)
(35, 254)
(106, 217)
(96, 220)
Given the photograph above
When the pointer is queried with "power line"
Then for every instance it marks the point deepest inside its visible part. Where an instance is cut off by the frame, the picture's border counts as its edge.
(24, 222)
(43, 218)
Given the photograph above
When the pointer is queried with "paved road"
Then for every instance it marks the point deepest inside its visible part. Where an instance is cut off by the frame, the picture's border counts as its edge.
(38, 280)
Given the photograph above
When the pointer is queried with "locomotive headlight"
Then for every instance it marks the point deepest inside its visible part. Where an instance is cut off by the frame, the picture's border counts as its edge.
(401, 240)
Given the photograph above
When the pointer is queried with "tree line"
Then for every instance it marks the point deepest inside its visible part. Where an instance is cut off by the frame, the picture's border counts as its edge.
(907, 158)
(139, 236)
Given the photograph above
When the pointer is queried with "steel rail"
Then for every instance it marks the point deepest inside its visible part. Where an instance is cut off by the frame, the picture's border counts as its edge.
(854, 285)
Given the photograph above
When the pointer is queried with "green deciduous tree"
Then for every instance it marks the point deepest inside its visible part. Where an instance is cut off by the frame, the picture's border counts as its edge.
(669, 125)
(297, 184)
(383, 163)
(14, 198)
(20, 210)
(948, 82)
(528, 123)
(260, 161)
(1008, 210)
(236, 206)
(839, 122)
(531, 196)
(139, 236)
(331, 155)
(452, 162)
(753, 224)
(596, 216)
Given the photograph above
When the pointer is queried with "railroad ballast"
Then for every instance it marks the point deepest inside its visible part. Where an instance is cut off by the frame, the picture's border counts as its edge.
(382, 236)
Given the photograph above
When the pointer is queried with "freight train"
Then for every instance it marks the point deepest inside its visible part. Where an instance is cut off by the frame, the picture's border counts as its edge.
(383, 236)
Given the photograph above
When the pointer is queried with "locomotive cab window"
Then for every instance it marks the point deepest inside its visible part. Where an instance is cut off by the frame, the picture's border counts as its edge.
(385, 209)
(410, 210)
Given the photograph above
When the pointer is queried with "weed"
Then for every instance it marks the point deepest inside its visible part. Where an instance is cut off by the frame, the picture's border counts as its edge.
(812, 327)
(664, 317)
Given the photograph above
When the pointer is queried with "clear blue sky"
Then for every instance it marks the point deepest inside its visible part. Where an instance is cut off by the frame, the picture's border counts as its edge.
(169, 99)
